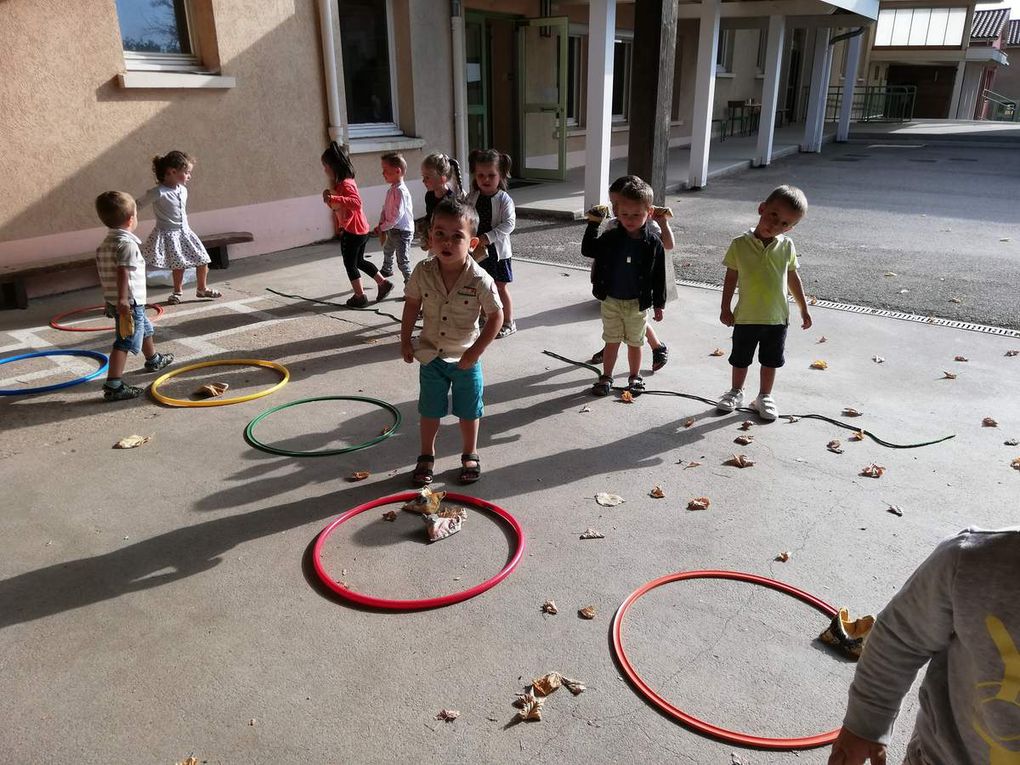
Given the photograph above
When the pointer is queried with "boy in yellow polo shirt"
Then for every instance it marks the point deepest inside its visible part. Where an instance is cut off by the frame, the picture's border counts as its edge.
(763, 264)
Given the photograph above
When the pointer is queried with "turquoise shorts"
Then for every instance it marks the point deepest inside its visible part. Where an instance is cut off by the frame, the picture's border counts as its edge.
(437, 378)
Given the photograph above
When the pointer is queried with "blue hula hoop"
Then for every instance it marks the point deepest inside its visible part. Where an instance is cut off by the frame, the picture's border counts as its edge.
(46, 388)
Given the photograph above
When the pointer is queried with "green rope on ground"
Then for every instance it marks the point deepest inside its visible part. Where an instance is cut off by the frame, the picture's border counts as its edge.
(712, 402)
(343, 306)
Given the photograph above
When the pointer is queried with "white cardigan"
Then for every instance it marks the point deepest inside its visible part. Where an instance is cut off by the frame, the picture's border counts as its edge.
(504, 220)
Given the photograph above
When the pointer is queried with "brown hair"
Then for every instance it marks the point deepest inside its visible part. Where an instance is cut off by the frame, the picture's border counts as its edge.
(176, 160)
(452, 207)
(339, 161)
(637, 190)
(395, 160)
(491, 157)
(791, 196)
(115, 208)
(445, 166)
(620, 182)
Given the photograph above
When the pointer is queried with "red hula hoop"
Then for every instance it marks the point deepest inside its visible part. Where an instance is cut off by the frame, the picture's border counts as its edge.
(390, 604)
(733, 737)
(55, 321)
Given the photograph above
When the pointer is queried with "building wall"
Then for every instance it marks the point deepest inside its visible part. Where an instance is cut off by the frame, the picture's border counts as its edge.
(1007, 79)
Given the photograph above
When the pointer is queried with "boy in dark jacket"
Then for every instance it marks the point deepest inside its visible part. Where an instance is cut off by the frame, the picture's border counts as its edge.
(628, 277)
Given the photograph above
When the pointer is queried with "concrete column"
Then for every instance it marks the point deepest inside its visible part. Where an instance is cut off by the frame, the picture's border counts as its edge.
(818, 93)
(654, 60)
(704, 92)
(954, 102)
(853, 58)
(598, 116)
(770, 90)
(460, 121)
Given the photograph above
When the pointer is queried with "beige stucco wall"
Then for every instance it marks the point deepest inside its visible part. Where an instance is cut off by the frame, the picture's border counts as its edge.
(76, 132)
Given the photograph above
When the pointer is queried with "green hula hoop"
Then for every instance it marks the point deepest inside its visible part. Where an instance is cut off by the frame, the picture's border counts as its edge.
(249, 431)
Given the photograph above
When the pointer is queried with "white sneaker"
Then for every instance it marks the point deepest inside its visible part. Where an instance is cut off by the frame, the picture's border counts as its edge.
(765, 406)
(730, 400)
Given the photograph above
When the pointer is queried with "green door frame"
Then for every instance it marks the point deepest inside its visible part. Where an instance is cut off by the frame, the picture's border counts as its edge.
(480, 17)
(562, 26)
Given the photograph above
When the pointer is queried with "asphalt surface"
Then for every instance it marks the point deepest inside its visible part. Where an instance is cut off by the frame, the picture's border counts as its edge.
(943, 220)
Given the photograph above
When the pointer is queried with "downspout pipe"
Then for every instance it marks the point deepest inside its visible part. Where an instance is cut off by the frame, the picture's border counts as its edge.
(846, 35)
(336, 99)
(459, 82)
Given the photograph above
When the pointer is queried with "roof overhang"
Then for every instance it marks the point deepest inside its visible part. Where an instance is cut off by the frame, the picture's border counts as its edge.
(986, 55)
(855, 11)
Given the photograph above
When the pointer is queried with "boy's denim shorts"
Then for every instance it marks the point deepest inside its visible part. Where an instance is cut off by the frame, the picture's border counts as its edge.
(437, 378)
(143, 329)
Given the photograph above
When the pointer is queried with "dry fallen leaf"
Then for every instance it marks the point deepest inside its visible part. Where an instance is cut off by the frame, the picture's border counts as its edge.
(873, 471)
(895, 510)
(813, 301)
(878, 359)
(718, 352)
(747, 424)
(592, 534)
(823, 339)
(740, 461)
(948, 375)
(549, 607)
(609, 500)
(955, 300)
(689, 421)
(743, 440)
(546, 684)
(576, 687)
(657, 493)
(1012, 353)
(960, 358)
(891, 273)
(857, 435)
(627, 397)
(699, 503)
(834, 446)
(132, 442)
(389, 515)
(819, 364)
(1015, 464)
(189, 761)
(851, 412)
(358, 475)
(447, 715)
(426, 502)
(212, 390)
(584, 409)
(692, 464)
(783, 557)
(588, 612)
(988, 422)
(530, 707)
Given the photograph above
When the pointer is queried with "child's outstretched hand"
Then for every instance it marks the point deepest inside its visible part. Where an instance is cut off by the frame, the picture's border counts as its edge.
(657, 314)
(726, 317)
(851, 749)
(805, 320)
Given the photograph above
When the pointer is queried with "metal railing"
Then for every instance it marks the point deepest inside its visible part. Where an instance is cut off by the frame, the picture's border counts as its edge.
(999, 107)
(871, 103)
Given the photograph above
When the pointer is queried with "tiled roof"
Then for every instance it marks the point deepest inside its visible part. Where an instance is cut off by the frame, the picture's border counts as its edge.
(988, 24)
(1013, 36)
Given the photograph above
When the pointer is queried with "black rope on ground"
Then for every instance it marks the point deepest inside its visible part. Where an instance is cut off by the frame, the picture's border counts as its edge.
(343, 306)
(712, 402)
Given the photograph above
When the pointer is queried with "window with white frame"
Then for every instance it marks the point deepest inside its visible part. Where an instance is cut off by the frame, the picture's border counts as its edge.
(920, 27)
(724, 54)
(622, 57)
(369, 67)
(156, 35)
(574, 80)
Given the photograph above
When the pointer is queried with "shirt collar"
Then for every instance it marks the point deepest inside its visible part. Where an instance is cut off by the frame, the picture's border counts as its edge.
(119, 233)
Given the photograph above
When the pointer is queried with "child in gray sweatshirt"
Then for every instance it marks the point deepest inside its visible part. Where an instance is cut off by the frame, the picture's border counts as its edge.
(960, 614)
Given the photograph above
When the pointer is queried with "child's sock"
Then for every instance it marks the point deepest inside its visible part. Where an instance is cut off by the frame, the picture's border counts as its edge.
(113, 383)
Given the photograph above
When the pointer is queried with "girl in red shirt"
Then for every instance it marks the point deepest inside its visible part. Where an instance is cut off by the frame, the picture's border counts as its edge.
(344, 200)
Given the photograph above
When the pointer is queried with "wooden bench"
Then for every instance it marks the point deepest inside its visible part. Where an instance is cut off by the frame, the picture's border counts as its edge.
(13, 293)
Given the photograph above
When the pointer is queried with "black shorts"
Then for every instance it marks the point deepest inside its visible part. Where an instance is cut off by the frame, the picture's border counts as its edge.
(499, 270)
(770, 339)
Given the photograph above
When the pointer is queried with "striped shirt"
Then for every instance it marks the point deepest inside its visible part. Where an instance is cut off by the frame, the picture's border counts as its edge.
(120, 250)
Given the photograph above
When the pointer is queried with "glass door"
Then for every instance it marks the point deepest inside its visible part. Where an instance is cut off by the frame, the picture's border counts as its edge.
(542, 93)
(476, 61)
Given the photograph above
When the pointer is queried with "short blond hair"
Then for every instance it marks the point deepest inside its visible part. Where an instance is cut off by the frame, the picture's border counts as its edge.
(115, 208)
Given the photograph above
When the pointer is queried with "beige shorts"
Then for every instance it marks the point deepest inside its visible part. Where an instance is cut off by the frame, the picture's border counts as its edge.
(623, 322)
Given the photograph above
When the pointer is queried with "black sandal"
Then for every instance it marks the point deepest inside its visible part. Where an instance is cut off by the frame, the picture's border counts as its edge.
(660, 356)
(603, 386)
(469, 474)
(422, 475)
(636, 385)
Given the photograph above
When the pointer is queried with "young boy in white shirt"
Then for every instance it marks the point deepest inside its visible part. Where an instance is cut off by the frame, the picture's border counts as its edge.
(396, 223)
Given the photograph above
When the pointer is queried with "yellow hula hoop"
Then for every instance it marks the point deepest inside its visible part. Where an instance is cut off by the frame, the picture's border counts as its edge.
(284, 373)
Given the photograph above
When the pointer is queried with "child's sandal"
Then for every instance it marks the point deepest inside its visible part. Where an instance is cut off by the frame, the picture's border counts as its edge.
(636, 385)
(209, 293)
(603, 386)
(660, 356)
(175, 298)
(422, 475)
(470, 473)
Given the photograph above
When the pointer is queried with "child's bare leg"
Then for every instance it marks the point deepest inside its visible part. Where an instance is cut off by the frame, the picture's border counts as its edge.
(469, 436)
(178, 274)
(118, 360)
(202, 277)
(503, 288)
(428, 429)
(356, 286)
(768, 379)
(609, 358)
(634, 359)
(651, 337)
(738, 378)
(379, 278)
(148, 348)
